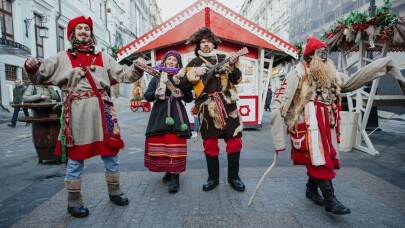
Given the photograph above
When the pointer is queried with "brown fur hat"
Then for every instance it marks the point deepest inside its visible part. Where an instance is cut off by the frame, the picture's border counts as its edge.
(203, 33)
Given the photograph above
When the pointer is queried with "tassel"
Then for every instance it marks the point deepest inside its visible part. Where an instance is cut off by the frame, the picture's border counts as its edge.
(183, 127)
(62, 138)
(169, 121)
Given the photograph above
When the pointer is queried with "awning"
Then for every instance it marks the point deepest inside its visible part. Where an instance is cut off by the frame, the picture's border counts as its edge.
(9, 47)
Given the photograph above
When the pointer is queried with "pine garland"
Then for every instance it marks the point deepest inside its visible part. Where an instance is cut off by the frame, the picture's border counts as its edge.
(345, 32)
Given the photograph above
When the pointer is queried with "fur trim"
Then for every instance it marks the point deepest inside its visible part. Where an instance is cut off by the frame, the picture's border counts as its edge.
(301, 97)
(239, 129)
(227, 96)
(230, 95)
(113, 183)
(214, 113)
(224, 81)
(73, 185)
(191, 76)
(327, 86)
(234, 114)
(234, 94)
(112, 178)
(181, 73)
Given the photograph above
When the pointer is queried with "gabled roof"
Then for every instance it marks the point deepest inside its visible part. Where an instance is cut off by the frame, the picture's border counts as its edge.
(225, 23)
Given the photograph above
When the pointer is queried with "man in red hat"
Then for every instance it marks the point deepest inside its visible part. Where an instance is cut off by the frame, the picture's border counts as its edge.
(308, 102)
(90, 125)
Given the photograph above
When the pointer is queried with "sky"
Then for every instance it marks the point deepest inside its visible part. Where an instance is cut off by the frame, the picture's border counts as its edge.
(169, 8)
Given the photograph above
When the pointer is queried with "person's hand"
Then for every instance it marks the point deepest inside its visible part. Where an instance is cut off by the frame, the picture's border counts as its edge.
(200, 71)
(44, 97)
(159, 92)
(33, 63)
(140, 60)
(233, 58)
(178, 93)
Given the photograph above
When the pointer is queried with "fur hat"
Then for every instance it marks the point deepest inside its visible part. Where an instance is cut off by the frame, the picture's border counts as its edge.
(77, 20)
(313, 43)
(203, 33)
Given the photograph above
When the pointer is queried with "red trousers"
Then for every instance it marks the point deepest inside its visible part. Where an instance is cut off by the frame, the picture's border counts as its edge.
(211, 148)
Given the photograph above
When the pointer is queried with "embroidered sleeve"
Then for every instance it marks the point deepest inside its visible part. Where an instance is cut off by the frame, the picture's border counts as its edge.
(121, 73)
(279, 106)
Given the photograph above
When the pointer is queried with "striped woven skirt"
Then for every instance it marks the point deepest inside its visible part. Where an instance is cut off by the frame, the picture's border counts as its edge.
(165, 153)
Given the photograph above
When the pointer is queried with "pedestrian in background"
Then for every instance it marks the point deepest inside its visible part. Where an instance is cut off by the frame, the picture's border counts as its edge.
(196, 124)
(18, 92)
(268, 99)
(168, 126)
(90, 124)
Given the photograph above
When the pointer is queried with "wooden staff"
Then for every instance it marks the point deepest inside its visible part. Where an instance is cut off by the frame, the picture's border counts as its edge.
(264, 176)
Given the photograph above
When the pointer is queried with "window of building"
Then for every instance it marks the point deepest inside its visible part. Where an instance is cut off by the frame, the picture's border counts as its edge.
(39, 41)
(11, 73)
(90, 5)
(25, 78)
(102, 11)
(61, 37)
(6, 20)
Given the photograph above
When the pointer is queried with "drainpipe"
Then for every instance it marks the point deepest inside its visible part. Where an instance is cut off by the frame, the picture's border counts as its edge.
(106, 27)
(57, 24)
(372, 8)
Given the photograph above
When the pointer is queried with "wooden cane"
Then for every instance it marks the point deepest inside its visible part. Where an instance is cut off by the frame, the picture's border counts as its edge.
(264, 176)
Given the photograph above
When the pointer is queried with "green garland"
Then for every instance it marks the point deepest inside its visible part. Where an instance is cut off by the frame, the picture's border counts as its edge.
(299, 45)
(358, 24)
(113, 51)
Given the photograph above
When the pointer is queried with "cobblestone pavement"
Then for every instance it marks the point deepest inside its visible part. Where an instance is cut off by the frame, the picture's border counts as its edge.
(33, 195)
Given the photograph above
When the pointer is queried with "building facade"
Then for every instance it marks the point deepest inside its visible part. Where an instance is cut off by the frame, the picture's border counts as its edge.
(273, 15)
(296, 20)
(38, 28)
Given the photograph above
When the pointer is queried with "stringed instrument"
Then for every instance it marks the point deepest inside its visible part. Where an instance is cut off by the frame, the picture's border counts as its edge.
(148, 69)
(200, 86)
(155, 73)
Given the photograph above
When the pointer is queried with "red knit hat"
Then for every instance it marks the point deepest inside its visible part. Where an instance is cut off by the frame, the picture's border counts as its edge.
(313, 43)
(77, 20)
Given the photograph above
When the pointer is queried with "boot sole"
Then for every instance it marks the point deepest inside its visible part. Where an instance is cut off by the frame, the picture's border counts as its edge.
(337, 213)
(315, 201)
(235, 188)
(80, 215)
(209, 189)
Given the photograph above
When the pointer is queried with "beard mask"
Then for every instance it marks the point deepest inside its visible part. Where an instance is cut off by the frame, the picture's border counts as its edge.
(323, 71)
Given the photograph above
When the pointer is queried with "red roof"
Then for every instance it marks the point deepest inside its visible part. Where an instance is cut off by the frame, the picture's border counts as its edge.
(225, 23)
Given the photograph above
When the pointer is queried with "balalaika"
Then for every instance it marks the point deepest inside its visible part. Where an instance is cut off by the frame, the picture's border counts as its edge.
(200, 86)
(155, 73)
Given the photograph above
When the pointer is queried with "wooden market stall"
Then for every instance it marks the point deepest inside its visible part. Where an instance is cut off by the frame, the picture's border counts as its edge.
(235, 32)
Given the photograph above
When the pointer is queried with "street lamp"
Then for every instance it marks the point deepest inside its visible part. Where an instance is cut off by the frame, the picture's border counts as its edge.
(43, 30)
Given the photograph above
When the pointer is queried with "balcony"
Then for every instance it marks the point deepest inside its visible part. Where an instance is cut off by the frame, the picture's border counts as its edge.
(9, 47)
